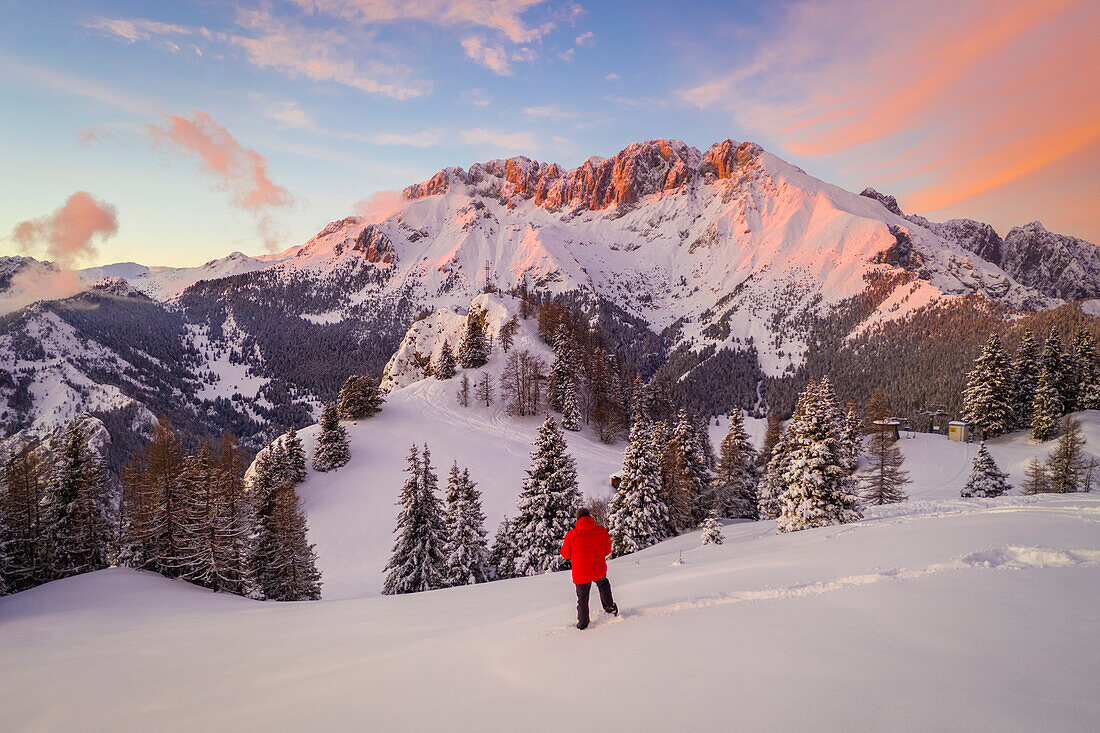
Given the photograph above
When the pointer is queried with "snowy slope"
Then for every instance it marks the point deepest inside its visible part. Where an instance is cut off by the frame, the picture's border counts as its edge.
(977, 620)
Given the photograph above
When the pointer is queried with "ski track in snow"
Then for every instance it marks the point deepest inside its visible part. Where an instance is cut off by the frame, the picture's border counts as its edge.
(996, 558)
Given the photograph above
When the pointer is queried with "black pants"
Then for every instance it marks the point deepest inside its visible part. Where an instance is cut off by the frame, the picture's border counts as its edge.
(583, 589)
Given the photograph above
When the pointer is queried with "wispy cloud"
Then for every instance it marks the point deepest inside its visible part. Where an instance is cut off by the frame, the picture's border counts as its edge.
(289, 115)
(490, 55)
(239, 171)
(521, 143)
(275, 42)
(588, 38)
(962, 98)
(476, 97)
(505, 16)
(549, 112)
(321, 55)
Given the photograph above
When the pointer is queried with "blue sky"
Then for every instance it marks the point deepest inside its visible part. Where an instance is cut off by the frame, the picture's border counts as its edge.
(339, 99)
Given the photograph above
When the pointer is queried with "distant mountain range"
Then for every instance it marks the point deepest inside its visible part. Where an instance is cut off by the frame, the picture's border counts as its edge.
(695, 263)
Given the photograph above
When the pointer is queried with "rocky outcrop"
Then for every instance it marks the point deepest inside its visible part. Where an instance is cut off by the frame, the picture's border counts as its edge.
(889, 202)
(375, 246)
(1061, 266)
(637, 172)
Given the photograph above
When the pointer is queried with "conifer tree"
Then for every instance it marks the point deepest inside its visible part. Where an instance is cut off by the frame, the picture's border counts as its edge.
(418, 562)
(1046, 407)
(638, 516)
(235, 517)
(563, 372)
(1025, 379)
(986, 480)
(502, 556)
(78, 527)
(464, 391)
(473, 352)
(294, 458)
(878, 407)
(712, 530)
(987, 398)
(466, 553)
(285, 563)
(734, 488)
(332, 449)
(485, 388)
(1059, 375)
(771, 439)
(884, 480)
(445, 364)
(570, 413)
(853, 436)
(360, 398)
(690, 477)
(817, 489)
(1066, 463)
(203, 556)
(24, 487)
(1036, 480)
(1085, 373)
(546, 504)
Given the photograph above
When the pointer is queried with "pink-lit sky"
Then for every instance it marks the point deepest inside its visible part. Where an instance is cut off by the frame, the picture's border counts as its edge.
(173, 133)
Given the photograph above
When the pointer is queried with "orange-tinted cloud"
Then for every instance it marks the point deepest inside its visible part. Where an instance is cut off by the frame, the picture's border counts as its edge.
(69, 233)
(940, 102)
(239, 171)
(379, 205)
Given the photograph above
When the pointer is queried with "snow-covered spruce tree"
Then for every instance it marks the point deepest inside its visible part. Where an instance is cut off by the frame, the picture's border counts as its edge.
(77, 506)
(445, 365)
(772, 483)
(570, 413)
(418, 562)
(688, 474)
(502, 555)
(817, 489)
(546, 503)
(1025, 379)
(986, 479)
(360, 398)
(1084, 369)
(1046, 408)
(853, 436)
(1036, 480)
(332, 449)
(987, 399)
(466, 552)
(294, 458)
(563, 372)
(734, 487)
(202, 563)
(705, 447)
(1065, 465)
(712, 530)
(884, 480)
(473, 352)
(771, 439)
(284, 562)
(1054, 363)
(638, 516)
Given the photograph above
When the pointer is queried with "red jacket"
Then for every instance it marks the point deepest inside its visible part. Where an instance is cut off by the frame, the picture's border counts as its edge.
(586, 546)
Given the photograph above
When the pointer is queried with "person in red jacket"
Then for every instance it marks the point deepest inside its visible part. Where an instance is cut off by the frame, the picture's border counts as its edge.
(586, 546)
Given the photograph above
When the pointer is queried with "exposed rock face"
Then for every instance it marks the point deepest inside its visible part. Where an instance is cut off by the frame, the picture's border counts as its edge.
(889, 202)
(973, 236)
(1060, 265)
(118, 286)
(375, 245)
(638, 171)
